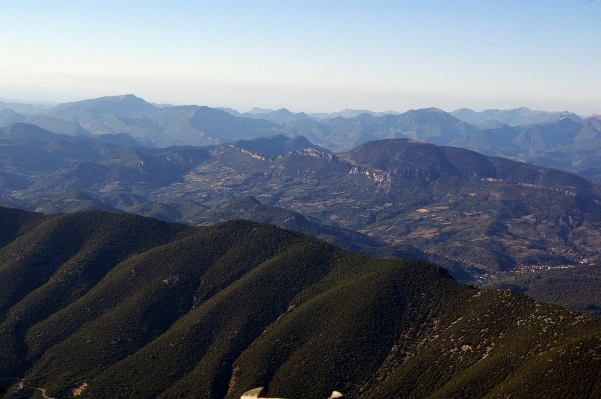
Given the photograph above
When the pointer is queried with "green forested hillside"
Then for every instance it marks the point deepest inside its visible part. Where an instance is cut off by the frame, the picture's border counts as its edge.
(129, 307)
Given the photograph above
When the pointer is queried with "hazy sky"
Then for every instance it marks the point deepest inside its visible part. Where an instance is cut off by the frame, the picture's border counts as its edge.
(307, 56)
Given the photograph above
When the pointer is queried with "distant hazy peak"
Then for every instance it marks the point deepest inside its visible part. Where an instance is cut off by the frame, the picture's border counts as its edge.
(350, 113)
(283, 111)
(431, 115)
(230, 111)
(514, 117)
(257, 110)
(21, 130)
(118, 104)
(429, 109)
(24, 108)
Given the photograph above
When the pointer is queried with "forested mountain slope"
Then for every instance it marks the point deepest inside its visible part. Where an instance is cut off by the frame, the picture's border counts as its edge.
(129, 307)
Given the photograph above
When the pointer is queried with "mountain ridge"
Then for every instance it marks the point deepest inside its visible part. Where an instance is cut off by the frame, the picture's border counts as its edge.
(215, 311)
(340, 132)
(401, 192)
(513, 117)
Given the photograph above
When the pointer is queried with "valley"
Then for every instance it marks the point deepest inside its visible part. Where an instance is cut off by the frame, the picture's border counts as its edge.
(83, 277)
(476, 215)
(479, 216)
(300, 199)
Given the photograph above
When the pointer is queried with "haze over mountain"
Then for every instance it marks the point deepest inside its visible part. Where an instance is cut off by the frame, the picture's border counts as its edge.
(154, 246)
(564, 144)
(24, 108)
(285, 115)
(279, 116)
(550, 139)
(177, 125)
(86, 111)
(351, 113)
(124, 177)
(513, 117)
(196, 125)
(115, 305)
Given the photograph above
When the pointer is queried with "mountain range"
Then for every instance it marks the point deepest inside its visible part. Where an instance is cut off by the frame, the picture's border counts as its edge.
(489, 214)
(484, 217)
(513, 117)
(564, 144)
(550, 139)
(105, 305)
(187, 251)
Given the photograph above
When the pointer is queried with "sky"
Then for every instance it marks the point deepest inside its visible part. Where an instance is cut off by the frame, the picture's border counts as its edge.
(310, 56)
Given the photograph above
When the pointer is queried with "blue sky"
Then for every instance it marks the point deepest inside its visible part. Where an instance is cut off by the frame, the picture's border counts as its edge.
(307, 56)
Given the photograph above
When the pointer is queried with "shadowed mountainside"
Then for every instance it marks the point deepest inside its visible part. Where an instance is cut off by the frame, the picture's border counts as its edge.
(129, 307)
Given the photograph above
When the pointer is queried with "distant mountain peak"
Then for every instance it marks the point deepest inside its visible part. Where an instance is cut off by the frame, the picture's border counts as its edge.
(230, 111)
(257, 110)
(87, 111)
(521, 116)
(283, 111)
(21, 130)
(433, 109)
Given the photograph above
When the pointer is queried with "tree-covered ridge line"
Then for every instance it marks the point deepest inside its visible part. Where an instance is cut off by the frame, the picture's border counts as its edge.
(136, 307)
